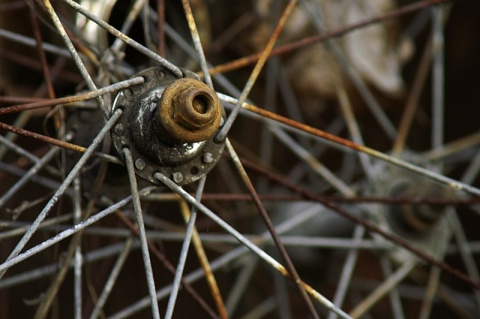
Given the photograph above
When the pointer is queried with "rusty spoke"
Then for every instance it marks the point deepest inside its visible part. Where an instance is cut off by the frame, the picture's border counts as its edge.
(202, 257)
(289, 47)
(196, 41)
(304, 181)
(450, 182)
(71, 99)
(75, 56)
(41, 53)
(161, 27)
(56, 142)
(248, 244)
(292, 272)
(125, 38)
(222, 134)
(412, 103)
(167, 265)
(368, 225)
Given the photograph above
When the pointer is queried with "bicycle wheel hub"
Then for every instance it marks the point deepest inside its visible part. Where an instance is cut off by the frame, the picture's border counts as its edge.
(426, 225)
(169, 124)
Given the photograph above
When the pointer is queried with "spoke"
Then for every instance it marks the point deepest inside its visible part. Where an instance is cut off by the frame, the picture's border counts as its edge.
(177, 38)
(141, 232)
(28, 175)
(75, 56)
(166, 263)
(431, 291)
(458, 302)
(451, 148)
(242, 280)
(241, 283)
(43, 138)
(354, 76)
(78, 258)
(68, 180)
(262, 309)
(134, 44)
(288, 240)
(334, 128)
(369, 225)
(174, 187)
(236, 64)
(312, 162)
(69, 232)
(222, 134)
(147, 27)
(50, 269)
(10, 137)
(45, 69)
(395, 302)
(467, 257)
(47, 47)
(412, 102)
(332, 198)
(223, 261)
(22, 152)
(70, 253)
(353, 128)
(284, 310)
(196, 41)
(347, 270)
(161, 27)
(20, 228)
(239, 252)
(75, 98)
(202, 256)
(292, 272)
(112, 279)
(133, 13)
(389, 284)
(266, 147)
(438, 88)
(184, 251)
(60, 143)
(450, 182)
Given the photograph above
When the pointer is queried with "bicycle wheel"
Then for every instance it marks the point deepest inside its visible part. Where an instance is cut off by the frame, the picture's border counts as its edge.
(140, 181)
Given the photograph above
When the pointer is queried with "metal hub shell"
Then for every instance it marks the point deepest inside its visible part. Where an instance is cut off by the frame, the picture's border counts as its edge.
(155, 146)
(425, 227)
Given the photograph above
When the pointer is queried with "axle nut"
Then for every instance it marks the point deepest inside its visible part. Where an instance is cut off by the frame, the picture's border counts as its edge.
(189, 111)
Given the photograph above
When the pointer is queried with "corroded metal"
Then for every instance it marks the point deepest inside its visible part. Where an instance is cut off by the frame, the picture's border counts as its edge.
(189, 110)
(324, 36)
(451, 183)
(169, 123)
(71, 99)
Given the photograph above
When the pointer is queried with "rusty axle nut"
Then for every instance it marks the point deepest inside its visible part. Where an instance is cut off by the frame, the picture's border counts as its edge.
(189, 110)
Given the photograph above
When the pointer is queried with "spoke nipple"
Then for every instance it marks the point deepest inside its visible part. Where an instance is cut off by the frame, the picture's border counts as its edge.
(177, 177)
(140, 164)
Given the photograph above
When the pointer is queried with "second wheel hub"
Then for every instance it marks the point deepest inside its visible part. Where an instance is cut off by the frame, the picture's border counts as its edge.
(169, 125)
